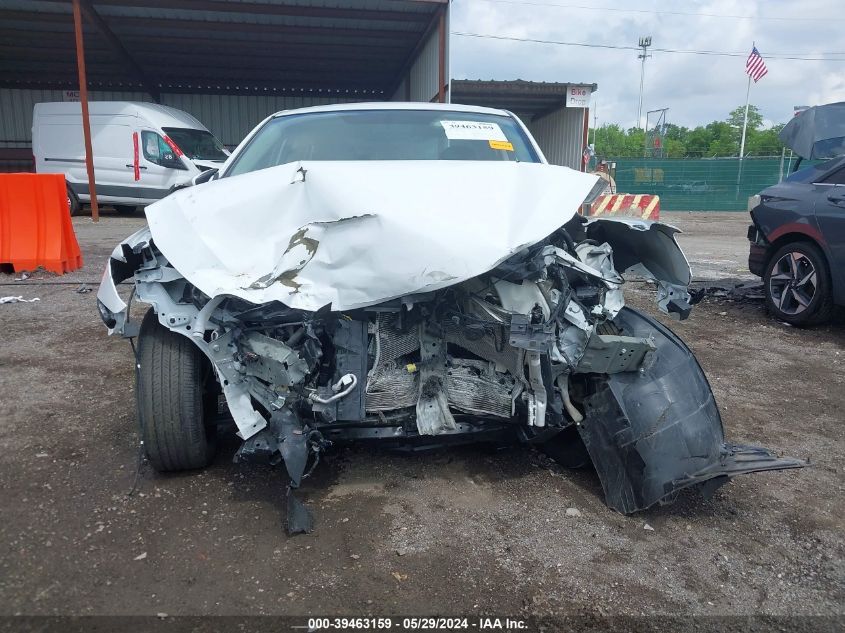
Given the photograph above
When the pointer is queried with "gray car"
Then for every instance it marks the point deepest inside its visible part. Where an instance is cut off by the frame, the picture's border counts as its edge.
(798, 243)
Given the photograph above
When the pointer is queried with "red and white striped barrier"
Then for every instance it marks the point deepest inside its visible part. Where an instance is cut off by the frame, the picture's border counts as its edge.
(641, 205)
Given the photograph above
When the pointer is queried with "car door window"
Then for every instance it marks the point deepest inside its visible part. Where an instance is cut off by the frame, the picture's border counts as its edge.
(157, 151)
(836, 178)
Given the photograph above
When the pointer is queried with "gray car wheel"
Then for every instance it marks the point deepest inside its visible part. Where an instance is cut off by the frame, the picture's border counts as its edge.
(797, 285)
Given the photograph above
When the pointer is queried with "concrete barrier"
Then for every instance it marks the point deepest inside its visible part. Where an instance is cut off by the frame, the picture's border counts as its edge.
(35, 226)
(641, 205)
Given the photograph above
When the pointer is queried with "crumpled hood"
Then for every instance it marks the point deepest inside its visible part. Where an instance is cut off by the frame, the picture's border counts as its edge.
(357, 233)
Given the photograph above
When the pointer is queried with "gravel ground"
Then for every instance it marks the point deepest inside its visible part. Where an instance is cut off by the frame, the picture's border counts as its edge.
(471, 530)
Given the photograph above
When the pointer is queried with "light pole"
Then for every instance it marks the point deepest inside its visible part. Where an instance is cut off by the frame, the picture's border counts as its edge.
(645, 42)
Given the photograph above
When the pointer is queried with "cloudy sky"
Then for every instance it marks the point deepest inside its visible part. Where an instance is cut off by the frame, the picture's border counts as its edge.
(697, 89)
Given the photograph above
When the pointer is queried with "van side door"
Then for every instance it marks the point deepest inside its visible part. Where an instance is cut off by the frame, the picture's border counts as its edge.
(111, 140)
(161, 165)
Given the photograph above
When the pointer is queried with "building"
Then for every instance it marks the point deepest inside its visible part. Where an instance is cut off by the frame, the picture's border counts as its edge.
(230, 63)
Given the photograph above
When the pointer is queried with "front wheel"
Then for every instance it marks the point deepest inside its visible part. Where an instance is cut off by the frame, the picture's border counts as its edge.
(177, 399)
(797, 285)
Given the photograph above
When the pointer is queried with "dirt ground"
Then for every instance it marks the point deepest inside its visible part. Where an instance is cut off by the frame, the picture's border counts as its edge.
(471, 530)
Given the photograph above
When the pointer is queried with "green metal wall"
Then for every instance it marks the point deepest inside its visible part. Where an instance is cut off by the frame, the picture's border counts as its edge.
(691, 184)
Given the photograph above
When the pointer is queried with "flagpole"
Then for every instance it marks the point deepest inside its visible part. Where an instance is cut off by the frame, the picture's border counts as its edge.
(745, 120)
(744, 124)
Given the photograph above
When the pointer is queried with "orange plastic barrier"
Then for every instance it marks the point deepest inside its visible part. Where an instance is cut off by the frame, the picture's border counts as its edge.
(643, 206)
(35, 226)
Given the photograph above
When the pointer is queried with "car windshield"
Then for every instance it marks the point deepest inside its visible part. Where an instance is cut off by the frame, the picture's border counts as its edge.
(196, 144)
(385, 135)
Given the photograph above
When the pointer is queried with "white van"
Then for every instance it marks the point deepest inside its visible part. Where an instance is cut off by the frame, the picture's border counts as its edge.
(141, 150)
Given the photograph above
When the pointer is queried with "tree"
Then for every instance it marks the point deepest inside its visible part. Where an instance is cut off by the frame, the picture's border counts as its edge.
(717, 139)
(737, 115)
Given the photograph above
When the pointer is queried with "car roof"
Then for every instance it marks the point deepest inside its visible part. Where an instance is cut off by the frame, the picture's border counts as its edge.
(395, 105)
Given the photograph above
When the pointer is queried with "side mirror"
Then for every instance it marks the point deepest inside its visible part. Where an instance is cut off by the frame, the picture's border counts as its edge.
(207, 176)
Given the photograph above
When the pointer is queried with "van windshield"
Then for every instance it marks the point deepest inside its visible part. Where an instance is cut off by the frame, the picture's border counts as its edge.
(385, 135)
(197, 144)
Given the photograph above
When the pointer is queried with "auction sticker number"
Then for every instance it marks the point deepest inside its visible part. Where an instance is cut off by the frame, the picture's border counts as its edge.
(473, 131)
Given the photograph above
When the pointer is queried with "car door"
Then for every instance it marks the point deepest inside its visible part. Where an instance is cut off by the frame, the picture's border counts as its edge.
(160, 166)
(830, 216)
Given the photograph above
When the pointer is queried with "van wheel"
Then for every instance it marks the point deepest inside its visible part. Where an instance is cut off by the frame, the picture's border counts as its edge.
(176, 394)
(73, 202)
(125, 209)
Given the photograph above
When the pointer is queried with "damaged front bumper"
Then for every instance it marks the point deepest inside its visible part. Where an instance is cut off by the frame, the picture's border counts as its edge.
(537, 344)
(655, 431)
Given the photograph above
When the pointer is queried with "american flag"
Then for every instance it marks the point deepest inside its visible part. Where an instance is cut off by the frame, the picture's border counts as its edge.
(755, 67)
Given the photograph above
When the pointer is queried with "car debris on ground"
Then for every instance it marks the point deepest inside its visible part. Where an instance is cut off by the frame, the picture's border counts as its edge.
(18, 299)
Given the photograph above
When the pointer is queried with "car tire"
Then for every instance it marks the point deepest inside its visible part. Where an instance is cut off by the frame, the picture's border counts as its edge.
(176, 396)
(797, 286)
(73, 202)
(125, 209)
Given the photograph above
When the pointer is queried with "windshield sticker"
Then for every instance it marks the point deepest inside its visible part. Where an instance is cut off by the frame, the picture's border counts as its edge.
(505, 145)
(473, 131)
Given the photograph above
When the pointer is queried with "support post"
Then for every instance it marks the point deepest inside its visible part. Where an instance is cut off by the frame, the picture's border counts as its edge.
(585, 139)
(441, 70)
(744, 128)
(645, 42)
(745, 120)
(83, 98)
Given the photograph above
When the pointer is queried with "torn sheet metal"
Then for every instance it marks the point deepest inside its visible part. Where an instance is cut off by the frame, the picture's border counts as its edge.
(648, 249)
(356, 233)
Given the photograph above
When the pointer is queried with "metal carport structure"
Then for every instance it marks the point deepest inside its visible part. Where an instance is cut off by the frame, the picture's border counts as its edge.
(228, 62)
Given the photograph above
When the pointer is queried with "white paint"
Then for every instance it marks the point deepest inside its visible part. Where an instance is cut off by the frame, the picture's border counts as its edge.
(383, 229)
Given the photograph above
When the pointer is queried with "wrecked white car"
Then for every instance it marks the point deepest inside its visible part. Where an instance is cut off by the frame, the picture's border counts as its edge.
(415, 274)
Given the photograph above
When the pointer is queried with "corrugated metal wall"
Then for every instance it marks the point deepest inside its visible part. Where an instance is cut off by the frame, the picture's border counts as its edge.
(229, 117)
(560, 135)
(401, 90)
(424, 74)
(425, 71)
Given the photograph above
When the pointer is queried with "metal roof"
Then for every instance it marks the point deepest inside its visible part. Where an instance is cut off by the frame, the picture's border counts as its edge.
(361, 47)
(527, 99)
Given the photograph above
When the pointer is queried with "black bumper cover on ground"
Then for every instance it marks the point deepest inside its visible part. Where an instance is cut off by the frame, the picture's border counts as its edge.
(656, 431)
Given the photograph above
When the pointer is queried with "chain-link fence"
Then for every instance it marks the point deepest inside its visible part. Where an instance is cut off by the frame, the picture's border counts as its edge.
(699, 184)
